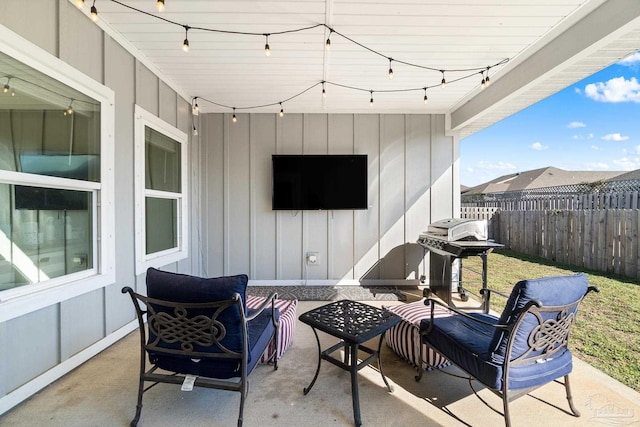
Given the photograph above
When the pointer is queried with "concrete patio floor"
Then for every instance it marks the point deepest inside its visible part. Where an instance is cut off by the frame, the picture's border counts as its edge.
(102, 392)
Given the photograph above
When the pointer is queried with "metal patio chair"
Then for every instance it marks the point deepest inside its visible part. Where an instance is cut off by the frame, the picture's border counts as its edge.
(200, 330)
(523, 349)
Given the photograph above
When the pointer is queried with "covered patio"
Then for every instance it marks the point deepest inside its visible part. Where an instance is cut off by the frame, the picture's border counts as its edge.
(90, 396)
(163, 158)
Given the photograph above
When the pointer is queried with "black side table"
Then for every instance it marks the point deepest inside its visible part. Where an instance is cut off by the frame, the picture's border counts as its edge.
(354, 323)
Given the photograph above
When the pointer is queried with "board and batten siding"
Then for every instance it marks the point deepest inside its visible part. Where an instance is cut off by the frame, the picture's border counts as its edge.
(41, 345)
(412, 182)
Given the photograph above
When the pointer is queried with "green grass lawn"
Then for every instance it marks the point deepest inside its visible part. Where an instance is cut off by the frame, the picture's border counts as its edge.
(607, 330)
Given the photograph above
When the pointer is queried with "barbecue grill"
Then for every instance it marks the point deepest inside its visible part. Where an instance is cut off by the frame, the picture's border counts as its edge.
(453, 239)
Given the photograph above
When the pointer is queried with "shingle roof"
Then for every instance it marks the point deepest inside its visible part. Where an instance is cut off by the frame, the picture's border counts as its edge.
(541, 178)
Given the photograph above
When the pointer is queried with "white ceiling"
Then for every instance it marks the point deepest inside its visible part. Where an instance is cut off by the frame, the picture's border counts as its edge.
(549, 44)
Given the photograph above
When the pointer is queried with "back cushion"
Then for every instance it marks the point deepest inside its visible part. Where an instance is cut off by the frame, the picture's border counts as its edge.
(550, 291)
(183, 288)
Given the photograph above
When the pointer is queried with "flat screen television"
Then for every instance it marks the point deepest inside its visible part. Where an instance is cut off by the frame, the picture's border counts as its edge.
(319, 182)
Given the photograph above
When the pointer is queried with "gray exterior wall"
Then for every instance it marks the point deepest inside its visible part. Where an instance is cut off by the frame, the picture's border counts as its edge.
(43, 342)
(412, 176)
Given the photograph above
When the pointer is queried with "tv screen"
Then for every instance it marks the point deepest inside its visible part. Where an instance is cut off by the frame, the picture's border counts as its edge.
(319, 182)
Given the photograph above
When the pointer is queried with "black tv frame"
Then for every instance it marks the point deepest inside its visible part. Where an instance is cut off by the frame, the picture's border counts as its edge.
(319, 182)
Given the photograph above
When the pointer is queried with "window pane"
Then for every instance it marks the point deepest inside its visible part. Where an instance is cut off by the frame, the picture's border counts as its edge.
(46, 127)
(44, 233)
(162, 162)
(161, 224)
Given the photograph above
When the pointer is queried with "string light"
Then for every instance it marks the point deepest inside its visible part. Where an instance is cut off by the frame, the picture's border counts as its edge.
(281, 110)
(371, 100)
(324, 92)
(6, 88)
(194, 132)
(185, 44)
(443, 82)
(234, 119)
(194, 108)
(94, 12)
(483, 83)
(425, 96)
(69, 109)
(80, 4)
(160, 5)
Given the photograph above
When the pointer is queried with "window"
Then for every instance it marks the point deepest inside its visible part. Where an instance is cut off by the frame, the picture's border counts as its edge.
(161, 205)
(56, 159)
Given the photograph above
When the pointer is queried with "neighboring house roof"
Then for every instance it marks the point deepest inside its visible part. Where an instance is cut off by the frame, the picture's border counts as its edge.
(627, 176)
(541, 178)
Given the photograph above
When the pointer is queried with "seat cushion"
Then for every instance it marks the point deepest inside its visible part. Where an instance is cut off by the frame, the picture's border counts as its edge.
(260, 331)
(467, 344)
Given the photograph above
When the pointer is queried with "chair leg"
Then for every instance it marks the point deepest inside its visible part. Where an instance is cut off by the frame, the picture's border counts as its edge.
(243, 393)
(134, 421)
(505, 406)
(567, 386)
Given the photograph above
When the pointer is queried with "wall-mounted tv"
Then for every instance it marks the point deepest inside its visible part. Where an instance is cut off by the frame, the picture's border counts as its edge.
(319, 182)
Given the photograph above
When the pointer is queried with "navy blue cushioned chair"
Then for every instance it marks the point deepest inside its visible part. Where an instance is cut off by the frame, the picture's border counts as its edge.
(524, 348)
(201, 327)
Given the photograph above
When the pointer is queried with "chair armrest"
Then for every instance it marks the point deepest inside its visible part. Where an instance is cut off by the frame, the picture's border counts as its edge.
(270, 299)
(461, 313)
(489, 291)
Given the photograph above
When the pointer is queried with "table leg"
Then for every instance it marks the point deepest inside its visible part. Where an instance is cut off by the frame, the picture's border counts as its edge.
(355, 397)
(315, 377)
(380, 365)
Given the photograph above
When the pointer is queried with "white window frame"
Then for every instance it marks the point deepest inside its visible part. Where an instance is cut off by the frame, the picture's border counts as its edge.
(21, 300)
(145, 119)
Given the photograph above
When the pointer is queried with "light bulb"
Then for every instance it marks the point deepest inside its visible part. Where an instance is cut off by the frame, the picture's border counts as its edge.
(390, 69)
(6, 88)
(371, 100)
(281, 110)
(267, 50)
(69, 110)
(195, 110)
(234, 119)
(80, 4)
(94, 13)
(443, 83)
(185, 45)
(324, 93)
(486, 80)
(195, 131)
(425, 97)
(328, 44)
(160, 5)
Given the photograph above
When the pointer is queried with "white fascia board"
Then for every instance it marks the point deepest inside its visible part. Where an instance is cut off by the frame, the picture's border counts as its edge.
(597, 29)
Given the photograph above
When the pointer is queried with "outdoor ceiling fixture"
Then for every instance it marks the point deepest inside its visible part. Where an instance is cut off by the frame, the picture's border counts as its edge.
(80, 4)
(470, 72)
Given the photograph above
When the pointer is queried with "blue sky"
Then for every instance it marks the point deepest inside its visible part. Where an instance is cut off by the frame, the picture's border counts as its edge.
(593, 124)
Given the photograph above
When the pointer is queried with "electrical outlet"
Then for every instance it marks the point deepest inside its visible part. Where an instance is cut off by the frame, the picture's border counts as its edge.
(313, 258)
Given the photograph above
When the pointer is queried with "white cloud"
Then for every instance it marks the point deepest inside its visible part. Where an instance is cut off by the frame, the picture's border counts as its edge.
(595, 147)
(617, 89)
(590, 136)
(484, 164)
(614, 137)
(637, 149)
(597, 166)
(631, 60)
(578, 91)
(574, 125)
(627, 164)
(538, 146)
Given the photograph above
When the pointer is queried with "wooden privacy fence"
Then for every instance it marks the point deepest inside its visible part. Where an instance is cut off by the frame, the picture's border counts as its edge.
(599, 239)
(614, 200)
